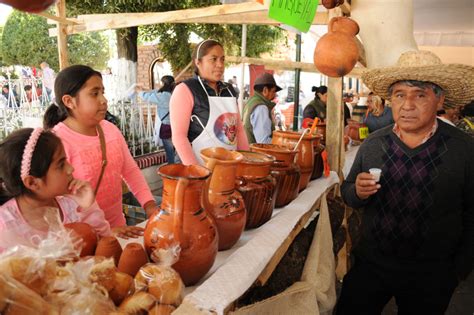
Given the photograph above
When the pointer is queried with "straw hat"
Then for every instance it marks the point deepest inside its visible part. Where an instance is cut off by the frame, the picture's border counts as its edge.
(456, 80)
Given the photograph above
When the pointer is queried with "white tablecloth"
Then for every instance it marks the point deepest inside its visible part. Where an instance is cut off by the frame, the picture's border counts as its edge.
(236, 269)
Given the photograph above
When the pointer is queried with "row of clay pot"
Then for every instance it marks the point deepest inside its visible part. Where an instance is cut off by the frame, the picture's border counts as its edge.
(204, 213)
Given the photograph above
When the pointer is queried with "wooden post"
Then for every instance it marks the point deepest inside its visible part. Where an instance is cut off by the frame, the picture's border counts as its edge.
(335, 124)
(62, 35)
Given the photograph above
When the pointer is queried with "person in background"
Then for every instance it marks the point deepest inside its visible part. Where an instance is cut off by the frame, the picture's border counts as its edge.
(417, 230)
(29, 92)
(466, 123)
(317, 107)
(449, 115)
(11, 98)
(35, 175)
(347, 98)
(95, 147)
(203, 109)
(162, 98)
(359, 110)
(48, 77)
(378, 115)
(257, 113)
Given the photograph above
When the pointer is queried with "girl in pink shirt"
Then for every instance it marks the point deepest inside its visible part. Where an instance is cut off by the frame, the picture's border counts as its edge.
(78, 119)
(35, 174)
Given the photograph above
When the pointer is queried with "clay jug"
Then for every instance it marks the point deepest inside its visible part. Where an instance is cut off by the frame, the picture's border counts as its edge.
(305, 156)
(256, 186)
(225, 204)
(183, 221)
(321, 129)
(336, 52)
(132, 259)
(284, 170)
(331, 4)
(109, 246)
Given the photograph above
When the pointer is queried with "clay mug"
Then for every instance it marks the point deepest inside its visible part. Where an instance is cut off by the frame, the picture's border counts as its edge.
(132, 259)
(87, 237)
(109, 246)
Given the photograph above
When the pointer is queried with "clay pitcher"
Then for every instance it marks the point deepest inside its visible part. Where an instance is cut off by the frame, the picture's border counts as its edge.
(336, 52)
(284, 169)
(225, 204)
(183, 221)
(305, 157)
(257, 187)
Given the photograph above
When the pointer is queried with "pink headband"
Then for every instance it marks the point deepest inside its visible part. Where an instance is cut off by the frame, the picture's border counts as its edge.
(28, 152)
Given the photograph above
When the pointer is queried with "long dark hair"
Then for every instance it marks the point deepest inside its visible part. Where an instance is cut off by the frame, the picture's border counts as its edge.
(168, 84)
(321, 90)
(68, 82)
(11, 152)
(202, 49)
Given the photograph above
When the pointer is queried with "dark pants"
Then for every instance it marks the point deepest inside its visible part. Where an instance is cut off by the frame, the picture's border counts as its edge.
(366, 289)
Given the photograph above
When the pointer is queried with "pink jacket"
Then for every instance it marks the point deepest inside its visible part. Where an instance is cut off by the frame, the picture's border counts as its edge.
(85, 155)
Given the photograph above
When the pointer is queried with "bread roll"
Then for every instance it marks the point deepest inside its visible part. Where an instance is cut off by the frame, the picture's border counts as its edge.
(124, 286)
(163, 282)
(4, 292)
(138, 303)
(162, 309)
(103, 273)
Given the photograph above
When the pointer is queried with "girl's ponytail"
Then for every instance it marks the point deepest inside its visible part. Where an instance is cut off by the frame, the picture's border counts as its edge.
(53, 116)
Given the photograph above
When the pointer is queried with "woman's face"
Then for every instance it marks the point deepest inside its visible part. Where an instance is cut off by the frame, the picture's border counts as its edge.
(211, 66)
(323, 97)
(370, 103)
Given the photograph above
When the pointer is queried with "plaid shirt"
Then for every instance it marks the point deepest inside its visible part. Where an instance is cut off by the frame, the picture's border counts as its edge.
(396, 130)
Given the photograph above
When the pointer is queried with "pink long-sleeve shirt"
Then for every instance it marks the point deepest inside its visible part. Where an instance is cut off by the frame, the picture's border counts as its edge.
(181, 108)
(85, 155)
(14, 230)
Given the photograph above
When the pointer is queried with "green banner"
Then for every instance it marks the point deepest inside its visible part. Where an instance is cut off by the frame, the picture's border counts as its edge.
(297, 13)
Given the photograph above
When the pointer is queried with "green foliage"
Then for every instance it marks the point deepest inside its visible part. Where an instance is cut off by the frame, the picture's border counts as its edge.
(26, 41)
(1, 57)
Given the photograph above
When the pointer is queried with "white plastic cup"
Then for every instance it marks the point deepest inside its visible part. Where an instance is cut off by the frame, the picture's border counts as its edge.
(376, 172)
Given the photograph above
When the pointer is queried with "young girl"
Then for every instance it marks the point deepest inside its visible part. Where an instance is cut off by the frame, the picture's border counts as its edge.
(95, 147)
(35, 174)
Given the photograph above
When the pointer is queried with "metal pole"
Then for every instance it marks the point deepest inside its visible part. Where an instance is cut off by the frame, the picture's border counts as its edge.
(243, 51)
(297, 84)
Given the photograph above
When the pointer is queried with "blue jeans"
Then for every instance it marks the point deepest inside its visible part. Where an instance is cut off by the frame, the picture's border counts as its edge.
(169, 150)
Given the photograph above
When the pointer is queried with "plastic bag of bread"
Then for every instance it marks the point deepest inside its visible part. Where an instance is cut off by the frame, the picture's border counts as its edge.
(17, 299)
(160, 279)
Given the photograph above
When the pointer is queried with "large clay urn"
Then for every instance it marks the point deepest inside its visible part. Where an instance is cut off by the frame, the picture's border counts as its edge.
(352, 131)
(284, 170)
(305, 156)
(257, 187)
(183, 221)
(225, 204)
(336, 52)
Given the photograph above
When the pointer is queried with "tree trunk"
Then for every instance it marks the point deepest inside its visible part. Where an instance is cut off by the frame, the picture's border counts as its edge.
(126, 66)
(127, 43)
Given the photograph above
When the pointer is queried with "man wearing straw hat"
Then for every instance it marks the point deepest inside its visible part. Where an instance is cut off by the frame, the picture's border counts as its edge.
(417, 233)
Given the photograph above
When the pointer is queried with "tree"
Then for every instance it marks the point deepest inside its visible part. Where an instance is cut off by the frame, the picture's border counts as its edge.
(26, 41)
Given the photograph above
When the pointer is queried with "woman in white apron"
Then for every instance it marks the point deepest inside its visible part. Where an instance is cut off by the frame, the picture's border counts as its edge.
(203, 109)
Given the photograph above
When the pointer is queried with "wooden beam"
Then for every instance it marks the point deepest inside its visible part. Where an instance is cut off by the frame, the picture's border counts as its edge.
(346, 8)
(335, 124)
(286, 65)
(62, 35)
(239, 13)
(53, 19)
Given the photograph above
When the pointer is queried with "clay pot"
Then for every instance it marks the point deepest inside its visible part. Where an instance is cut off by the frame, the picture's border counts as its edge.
(33, 6)
(88, 236)
(305, 156)
(257, 187)
(321, 129)
(183, 221)
(336, 52)
(225, 204)
(109, 246)
(352, 130)
(284, 169)
(318, 167)
(331, 4)
(132, 259)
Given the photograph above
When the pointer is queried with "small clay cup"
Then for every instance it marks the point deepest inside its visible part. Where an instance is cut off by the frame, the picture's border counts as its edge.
(88, 236)
(132, 259)
(109, 246)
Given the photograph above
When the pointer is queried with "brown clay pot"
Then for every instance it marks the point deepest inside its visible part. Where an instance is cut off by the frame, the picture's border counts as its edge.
(352, 130)
(331, 4)
(305, 157)
(257, 187)
(132, 259)
(284, 169)
(88, 236)
(33, 6)
(225, 204)
(318, 168)
(321, 129)
(183, 221)
(336, 52)
(109, 246)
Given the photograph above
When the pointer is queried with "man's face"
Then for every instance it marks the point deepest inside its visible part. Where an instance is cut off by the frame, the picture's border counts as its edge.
(414, 109)
(269, 93)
